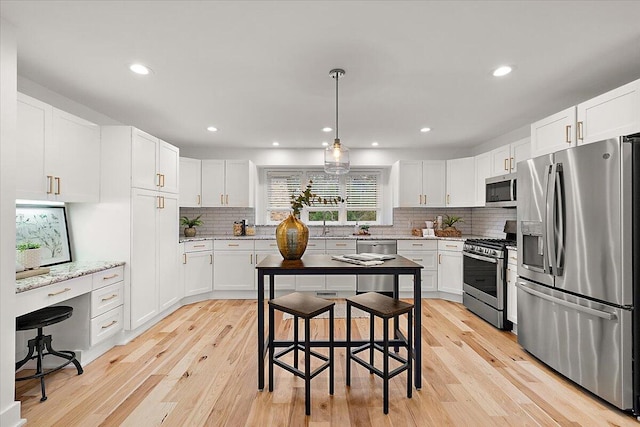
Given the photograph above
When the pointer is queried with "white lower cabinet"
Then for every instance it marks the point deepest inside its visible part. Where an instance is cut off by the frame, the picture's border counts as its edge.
(233, 265)
(450, 266)
(197, 262)
(312, 282)
(425, 253)
(340, 282)
(107, 299)
(265, 248)
(512, 291)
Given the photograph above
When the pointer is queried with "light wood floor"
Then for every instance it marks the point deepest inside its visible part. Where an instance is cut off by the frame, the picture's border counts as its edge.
(198, 367)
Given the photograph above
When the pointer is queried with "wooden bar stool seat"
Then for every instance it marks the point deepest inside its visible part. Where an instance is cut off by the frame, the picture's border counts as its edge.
(38, 320)
(306, 307)
(386, 308)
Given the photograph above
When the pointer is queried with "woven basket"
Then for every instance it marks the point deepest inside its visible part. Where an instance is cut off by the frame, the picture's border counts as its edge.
(449, 232)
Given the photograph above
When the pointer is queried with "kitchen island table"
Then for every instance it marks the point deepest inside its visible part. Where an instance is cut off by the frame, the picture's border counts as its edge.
(274, 265)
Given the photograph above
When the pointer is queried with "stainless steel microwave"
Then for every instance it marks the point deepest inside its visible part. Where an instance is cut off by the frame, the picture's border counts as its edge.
(501, 191)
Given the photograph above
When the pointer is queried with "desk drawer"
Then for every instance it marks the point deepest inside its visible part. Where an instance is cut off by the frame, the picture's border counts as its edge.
(107, 298)
(106, 325)
(36, 299)
(107, 277)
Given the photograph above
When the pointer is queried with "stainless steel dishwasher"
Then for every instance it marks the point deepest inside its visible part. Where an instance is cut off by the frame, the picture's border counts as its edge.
(376, 283)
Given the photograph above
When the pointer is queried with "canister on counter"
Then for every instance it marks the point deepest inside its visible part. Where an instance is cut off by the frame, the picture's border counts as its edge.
(237, 228)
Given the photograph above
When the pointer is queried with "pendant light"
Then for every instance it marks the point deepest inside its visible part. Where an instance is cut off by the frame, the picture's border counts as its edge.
(336, 156)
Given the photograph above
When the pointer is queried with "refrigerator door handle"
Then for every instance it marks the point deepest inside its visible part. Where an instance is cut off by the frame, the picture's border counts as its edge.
(559, 217)
(549, 223)
(592, 311)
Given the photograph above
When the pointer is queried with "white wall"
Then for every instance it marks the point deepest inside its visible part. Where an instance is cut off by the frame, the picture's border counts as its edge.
(9, 408)
(499, 141)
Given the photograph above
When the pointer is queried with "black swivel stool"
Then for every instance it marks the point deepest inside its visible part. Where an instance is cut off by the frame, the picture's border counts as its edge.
(384, 307)
(303, 306)
(39, 319)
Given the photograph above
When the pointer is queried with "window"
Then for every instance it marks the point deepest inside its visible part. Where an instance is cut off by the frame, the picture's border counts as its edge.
(362, 189)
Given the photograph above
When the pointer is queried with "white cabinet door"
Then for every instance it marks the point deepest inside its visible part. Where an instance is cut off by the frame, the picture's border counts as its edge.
(198, 272)
(144, 159)
(168, 166)
(554, 133)
(233, 270)
(73, 158)
(461, 182)
(501, 161)
(169, 290)
(238, 176)
(190, 181)
(143, 301)
(409, 185)
(213, 191)
(610, 115)
(340, 282)
(433, 182)
(520, 150)
(450, 266)
(33, 132)
(483, 171)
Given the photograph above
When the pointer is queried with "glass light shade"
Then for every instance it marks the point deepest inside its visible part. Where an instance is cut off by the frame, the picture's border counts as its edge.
(336, 159)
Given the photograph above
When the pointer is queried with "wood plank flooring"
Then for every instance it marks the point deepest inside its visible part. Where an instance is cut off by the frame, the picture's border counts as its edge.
(198, 367)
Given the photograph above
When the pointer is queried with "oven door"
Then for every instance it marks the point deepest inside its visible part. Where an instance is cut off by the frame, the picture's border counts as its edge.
(483, 279)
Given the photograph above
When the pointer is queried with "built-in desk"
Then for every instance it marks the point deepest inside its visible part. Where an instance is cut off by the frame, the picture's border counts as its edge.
(103, 281)
(274, 265)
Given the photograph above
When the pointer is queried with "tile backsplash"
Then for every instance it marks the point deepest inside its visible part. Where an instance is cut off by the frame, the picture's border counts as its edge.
(487, 222)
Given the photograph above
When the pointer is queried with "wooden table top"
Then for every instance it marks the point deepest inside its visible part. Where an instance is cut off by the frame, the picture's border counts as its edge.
(325, 262)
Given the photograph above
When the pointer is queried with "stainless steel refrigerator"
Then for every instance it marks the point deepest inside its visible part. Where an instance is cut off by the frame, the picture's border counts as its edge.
(578, 213)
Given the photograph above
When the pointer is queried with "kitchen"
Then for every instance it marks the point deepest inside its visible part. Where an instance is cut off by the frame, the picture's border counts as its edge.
(400, 218)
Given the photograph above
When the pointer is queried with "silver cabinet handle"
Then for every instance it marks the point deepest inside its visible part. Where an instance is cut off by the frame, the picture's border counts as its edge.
(598, 313)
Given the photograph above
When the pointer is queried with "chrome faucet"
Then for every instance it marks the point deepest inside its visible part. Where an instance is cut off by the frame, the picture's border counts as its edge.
(325, 229)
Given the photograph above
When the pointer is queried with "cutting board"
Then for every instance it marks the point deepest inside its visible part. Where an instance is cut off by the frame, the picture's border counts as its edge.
(31, 273)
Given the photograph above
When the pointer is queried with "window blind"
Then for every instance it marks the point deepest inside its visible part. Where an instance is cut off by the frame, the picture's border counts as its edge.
(362, 191)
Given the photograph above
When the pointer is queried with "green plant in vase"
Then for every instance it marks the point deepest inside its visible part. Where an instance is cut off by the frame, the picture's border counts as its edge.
(28, 255)
(190, 225)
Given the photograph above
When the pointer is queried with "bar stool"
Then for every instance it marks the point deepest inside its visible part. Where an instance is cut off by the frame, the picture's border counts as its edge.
(384, 307)
(303, 306)
(39, 319)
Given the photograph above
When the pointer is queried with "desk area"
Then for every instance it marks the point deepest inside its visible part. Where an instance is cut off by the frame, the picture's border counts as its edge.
(274, 265)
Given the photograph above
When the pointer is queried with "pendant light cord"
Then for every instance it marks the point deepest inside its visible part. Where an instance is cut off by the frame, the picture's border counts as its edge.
(337, 77)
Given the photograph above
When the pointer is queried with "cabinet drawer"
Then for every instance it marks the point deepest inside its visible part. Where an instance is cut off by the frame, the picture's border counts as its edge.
(202, 245)
(35, 299)
(233, 245)
(106, 325)
(450, 245)
(316, 244)
(417, 245)
(106, 298)
(266, 245)
(108, 277)
(341, 245)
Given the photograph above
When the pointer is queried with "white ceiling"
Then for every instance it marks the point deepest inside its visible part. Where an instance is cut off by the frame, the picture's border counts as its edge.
(259, 70)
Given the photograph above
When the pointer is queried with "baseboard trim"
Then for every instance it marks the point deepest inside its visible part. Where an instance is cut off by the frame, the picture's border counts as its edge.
(10, 417)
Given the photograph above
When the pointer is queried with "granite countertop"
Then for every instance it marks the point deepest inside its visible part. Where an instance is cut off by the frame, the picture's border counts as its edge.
(353, 237)
(62, 272)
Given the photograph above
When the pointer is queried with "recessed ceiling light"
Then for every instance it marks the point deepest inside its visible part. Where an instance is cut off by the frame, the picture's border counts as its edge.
(275, 143)
(212, 129)
(325, 144)
(423, 130)
(327, 129)
(374, 143)
(502, 71)
(140, 69)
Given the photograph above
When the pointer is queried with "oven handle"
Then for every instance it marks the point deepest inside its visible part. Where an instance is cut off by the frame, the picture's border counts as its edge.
(480, 257)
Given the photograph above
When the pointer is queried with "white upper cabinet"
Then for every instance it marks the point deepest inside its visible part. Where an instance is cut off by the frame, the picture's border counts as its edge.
(520, 150)
(419, 183)
(501, 161)
(609, 115)
(50, 142)
(227, 183)
(155, 163)
(483, 171)
(554, 133)
(461, 182)
(190, 183)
